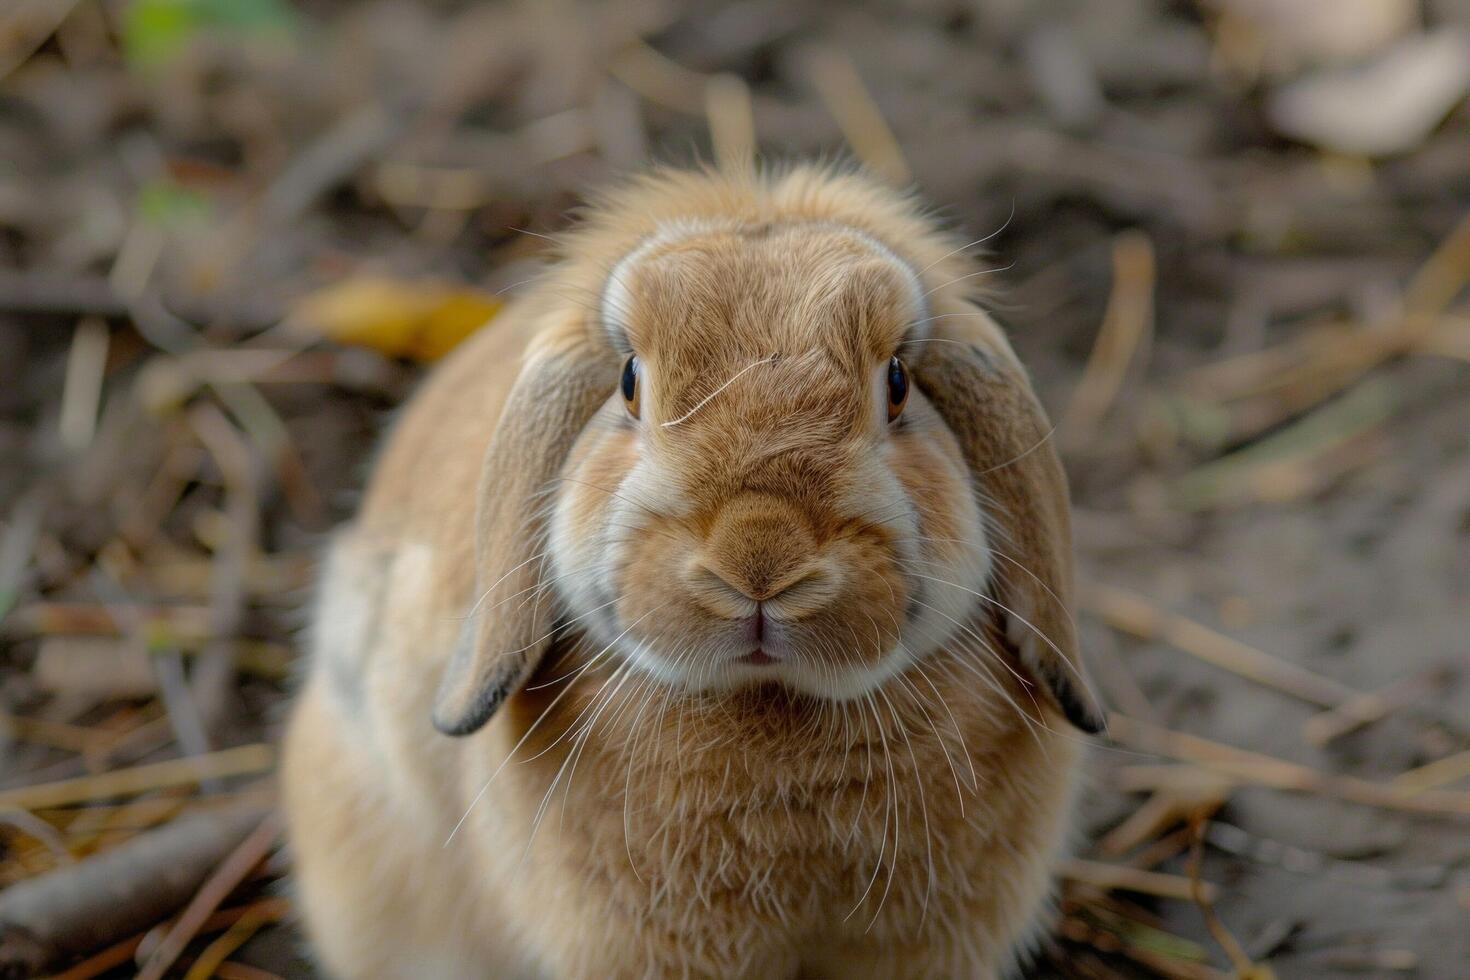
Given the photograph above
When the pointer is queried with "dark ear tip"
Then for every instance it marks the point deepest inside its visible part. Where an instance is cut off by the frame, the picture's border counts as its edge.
(462, 722)
(456, 715)
(1081, 710)
(1088, 720)
(467, 699)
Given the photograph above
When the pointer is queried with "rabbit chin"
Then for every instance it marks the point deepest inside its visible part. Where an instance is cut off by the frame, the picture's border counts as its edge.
(803, 672)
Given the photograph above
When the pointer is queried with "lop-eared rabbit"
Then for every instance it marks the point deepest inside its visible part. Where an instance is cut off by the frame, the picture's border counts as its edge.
(707, 614)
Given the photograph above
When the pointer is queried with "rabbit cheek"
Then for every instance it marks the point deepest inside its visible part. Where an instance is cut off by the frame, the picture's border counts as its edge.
(952, 550)
(584, 535)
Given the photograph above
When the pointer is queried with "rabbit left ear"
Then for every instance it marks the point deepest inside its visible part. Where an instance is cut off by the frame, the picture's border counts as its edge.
(566, 375)
(979, 388)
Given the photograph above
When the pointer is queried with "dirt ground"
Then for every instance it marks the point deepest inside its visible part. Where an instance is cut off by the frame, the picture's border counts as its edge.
(1236, 269)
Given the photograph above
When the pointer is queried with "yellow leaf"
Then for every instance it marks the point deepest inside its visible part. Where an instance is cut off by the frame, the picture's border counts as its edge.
(421, 320)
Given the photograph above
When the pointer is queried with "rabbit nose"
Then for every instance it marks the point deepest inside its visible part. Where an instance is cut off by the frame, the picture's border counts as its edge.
(762, 550)
(756, 584)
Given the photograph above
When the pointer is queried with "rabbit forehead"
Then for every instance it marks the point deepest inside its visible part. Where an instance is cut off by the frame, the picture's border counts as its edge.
(708, 293)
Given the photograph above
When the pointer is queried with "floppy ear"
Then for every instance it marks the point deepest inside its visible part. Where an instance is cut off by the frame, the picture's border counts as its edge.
(974, 380)
(566, 375)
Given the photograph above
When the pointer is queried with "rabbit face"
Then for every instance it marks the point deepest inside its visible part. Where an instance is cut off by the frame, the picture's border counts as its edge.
(767, 497)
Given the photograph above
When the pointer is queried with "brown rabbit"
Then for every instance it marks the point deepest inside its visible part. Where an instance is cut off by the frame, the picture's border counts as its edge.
(707, 615)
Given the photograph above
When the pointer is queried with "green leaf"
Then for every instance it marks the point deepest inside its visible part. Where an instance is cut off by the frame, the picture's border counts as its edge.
(156, 31)
(170, 205)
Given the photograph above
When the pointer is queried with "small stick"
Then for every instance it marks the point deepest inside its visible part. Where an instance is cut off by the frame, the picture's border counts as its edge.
(225, 879)
(841, 90)
(260, 914)
(81, 391)
(58, 735)
(101, 619)
(1265, 770)
(217, 921)
(1439, 773)
(1323, 728)
(94, 966)
(1123, 338)
(68, 912)
(1233, 950)
(1132, 613)
(128, 782)
(1164, 807)
(731, 122)
(1445, 342)
(1161, 850)
(659, 78)
(1282, 466)
(1077, 930)
(1340, 361)
(1442, 276)
(39, 830)
(1120, 877)
(120, 953)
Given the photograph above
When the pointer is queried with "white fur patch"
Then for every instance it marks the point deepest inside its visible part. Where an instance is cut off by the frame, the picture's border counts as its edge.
(349, 608)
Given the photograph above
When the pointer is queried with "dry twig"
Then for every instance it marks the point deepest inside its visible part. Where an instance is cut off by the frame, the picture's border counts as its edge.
(1122, 340)
(1265, 770)
(47, 920)
(841, 89)
(1122, 877)
(241, 861)
(731, 122)
(238, 761)
(1134, 614)
(1323, 728)
(1244, 968)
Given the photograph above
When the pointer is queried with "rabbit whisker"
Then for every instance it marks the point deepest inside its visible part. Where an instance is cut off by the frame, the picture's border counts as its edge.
(959, 733)
(529, 731)
(979, 241)
(972, 275)
(771, 359)
(923, 804)
(913, 691)
(620, 675)
(892, 787)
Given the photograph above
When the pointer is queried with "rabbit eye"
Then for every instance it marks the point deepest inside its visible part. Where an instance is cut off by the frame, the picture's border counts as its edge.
(629, 385)
(898, 387)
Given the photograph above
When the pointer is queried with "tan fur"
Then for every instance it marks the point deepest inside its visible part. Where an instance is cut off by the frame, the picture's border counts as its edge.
(886, 801)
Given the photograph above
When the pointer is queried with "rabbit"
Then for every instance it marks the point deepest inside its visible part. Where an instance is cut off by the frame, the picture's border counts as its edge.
(706, 614)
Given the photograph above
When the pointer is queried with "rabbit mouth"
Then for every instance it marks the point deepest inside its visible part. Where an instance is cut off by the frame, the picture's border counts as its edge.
(758, 658)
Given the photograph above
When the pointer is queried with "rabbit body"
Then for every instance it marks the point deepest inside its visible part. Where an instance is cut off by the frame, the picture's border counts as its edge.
(606, 822)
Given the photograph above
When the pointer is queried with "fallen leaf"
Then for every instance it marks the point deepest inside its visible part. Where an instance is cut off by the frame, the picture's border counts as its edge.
(400, 318)
(1385, 107)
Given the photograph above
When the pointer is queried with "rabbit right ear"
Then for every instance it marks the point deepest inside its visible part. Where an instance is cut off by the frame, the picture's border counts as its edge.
(566, 375)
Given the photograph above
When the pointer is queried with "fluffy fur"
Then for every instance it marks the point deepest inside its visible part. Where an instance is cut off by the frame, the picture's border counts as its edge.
(576, 592)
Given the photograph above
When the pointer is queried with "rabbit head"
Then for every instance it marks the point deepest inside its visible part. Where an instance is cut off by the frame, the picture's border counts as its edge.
(768, 439)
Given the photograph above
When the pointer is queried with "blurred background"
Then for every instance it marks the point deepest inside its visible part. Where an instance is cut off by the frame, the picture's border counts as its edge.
(1229, 237)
